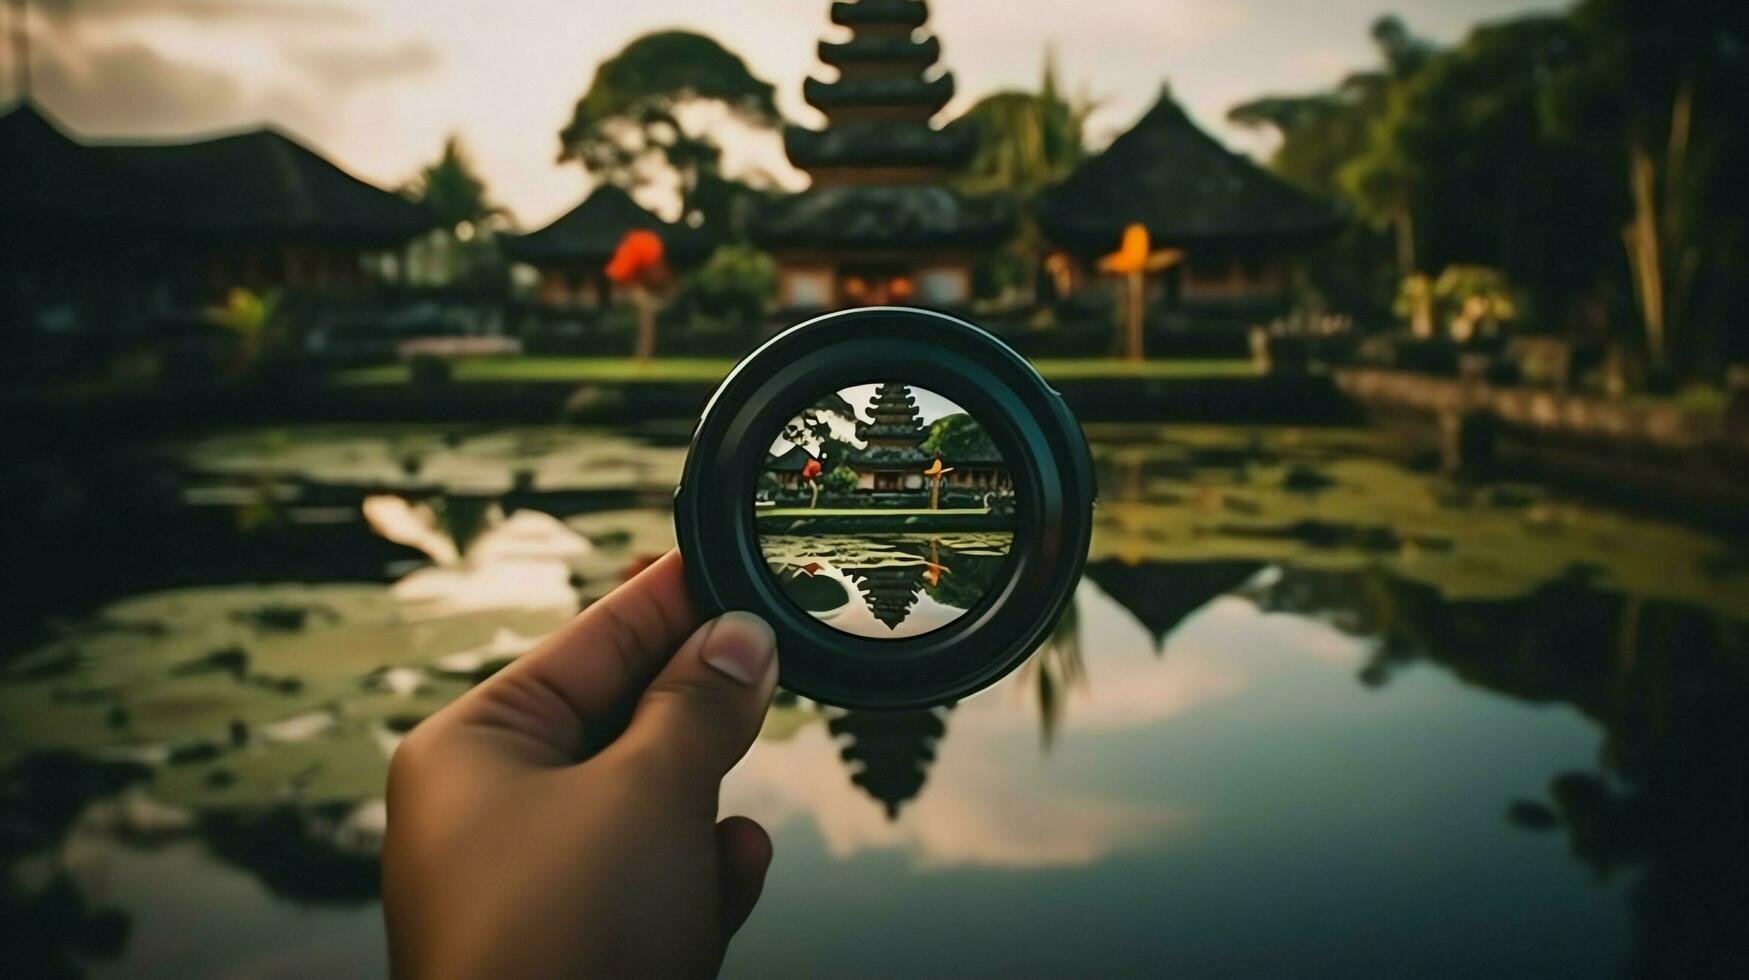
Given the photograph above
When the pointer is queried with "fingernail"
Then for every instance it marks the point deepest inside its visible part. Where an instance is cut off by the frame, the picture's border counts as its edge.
(740, 645)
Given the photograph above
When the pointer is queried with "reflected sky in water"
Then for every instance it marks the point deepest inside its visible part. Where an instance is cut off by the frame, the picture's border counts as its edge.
(1295, 722)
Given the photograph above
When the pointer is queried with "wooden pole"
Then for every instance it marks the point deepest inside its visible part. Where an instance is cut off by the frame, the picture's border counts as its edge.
(1133, 313)
(646, 323)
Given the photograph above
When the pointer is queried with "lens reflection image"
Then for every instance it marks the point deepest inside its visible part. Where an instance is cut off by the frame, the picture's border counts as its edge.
(885, 510)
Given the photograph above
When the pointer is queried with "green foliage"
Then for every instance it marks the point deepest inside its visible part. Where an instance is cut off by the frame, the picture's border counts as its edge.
(1322, 134)
(253, 318)
(958, 436)
(811, 428)
(734, 283)
(451, 189)
(1534, 146)
(1026, 141)
(1477, 300)
(628, 125)
(839, 479)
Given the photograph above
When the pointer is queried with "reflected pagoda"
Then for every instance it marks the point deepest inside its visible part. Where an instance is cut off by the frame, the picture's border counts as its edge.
(890, 591)
(878, 225)
(891, 751)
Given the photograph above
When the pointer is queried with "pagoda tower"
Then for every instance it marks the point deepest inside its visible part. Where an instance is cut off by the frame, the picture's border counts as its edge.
(890, 461)
(890, 591)
(878, 225)
(890, 751)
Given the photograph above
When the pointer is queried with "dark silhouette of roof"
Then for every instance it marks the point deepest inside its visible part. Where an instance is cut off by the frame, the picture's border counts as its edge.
(256, 184)
(866, 48)
(892, 750)
(1183, 185)
(880, 217)
(792, 460)
(890, 590)
(880, 90)
(878, 144)
(591, 231)
(1160, 594)
(906, 13)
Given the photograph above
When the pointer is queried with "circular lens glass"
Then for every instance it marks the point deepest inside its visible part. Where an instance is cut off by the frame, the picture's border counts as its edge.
(884, 510)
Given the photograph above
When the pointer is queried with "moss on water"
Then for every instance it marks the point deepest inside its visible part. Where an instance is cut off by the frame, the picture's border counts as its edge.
(263, 694)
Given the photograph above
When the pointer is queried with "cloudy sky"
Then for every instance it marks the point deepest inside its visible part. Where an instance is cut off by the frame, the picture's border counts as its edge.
(377, 84)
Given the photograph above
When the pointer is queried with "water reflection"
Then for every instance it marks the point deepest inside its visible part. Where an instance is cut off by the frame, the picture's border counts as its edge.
(1246, 685)
(887, 585)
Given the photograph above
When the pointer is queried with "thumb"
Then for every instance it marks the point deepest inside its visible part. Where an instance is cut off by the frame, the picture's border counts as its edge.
(703, 710)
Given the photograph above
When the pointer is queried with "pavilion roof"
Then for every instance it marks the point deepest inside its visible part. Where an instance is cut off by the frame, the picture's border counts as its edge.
(259, 183)
(1184, 186)
(793, 459)
(592, 231)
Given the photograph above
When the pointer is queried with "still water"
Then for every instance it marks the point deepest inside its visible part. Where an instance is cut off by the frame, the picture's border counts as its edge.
(1314, 711)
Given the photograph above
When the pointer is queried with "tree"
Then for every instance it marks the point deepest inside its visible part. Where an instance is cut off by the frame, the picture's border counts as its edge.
(629, 127)
(451, 190)
(840, 479)
(812, 429)
(1324, 132)
(1664, 87)
(734, 283)
(958, 436)
(638, 264)
(1025, 142)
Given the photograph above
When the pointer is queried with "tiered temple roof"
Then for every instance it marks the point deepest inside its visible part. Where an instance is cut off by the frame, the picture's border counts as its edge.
(894, 414)
(896, 430)
(878, 167)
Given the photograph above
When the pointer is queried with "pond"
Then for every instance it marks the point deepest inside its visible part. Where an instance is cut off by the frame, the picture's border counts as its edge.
(1314, 710)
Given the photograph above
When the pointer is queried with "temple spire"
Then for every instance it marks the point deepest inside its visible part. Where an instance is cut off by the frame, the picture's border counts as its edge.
(879, 224)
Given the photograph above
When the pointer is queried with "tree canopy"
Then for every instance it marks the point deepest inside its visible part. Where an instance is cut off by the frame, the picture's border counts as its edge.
(451, 189)
(628, 127)
(958, 436)
(1593, 156)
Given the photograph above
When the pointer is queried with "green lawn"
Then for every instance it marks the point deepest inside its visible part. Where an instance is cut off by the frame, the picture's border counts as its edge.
(707, 369)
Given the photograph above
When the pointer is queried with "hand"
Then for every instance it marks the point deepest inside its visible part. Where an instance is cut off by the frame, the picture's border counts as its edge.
(561, 817)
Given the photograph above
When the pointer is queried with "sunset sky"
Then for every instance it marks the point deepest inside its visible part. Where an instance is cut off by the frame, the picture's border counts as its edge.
(377, 84)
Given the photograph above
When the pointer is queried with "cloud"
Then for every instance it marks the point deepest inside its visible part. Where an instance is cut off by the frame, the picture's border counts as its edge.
(130, 87)
(967, 815)
(344, 67)
(203, 11)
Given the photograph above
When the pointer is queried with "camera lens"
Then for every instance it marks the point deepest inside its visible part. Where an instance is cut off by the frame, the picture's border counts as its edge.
(884, 510)
(899, 494)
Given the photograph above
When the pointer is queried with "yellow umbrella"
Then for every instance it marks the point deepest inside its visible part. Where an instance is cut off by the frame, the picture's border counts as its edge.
(1133, 260)
(934, 472)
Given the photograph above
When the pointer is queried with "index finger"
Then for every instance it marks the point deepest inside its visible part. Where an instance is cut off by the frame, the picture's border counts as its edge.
(575, 690)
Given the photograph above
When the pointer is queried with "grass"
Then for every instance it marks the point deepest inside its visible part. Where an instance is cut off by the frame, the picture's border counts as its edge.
(497, 370)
